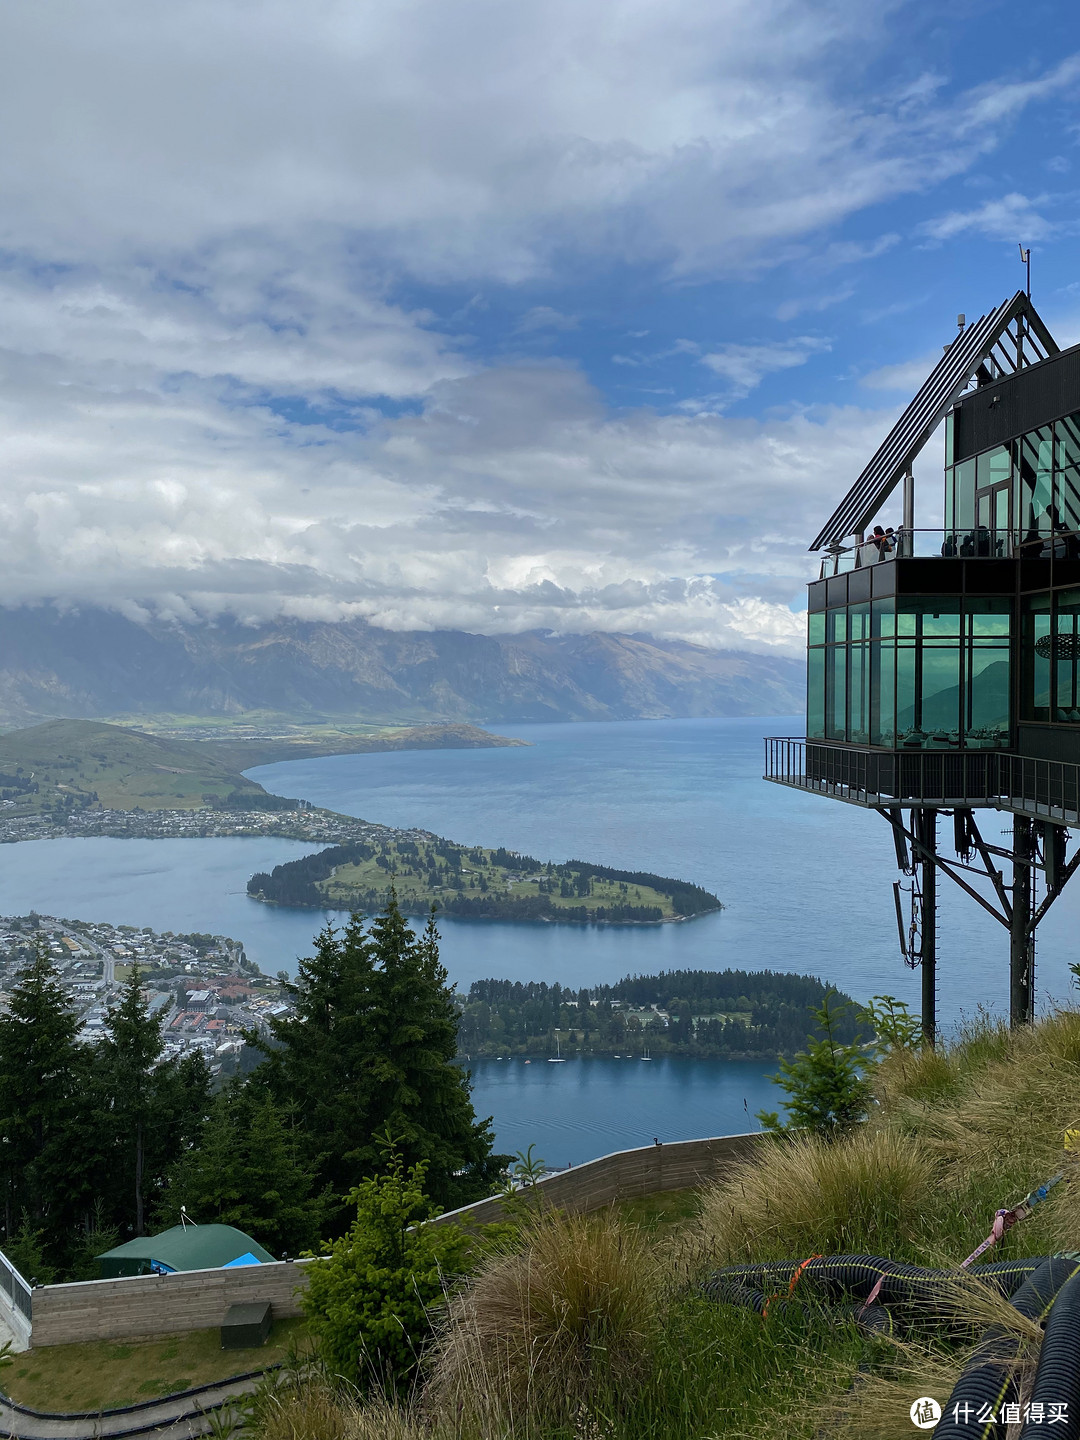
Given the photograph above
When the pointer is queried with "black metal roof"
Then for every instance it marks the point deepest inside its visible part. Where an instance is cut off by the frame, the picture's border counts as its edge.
(1006, 340)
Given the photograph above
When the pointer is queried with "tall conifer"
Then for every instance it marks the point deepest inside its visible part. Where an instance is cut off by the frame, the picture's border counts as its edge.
(39, 1102)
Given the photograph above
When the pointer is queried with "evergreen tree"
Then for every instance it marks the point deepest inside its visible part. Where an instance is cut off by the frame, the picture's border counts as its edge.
(372, 1043)
(827, 1090)
(318, 1068)
(41, 1107)
(155, 1108)
(245, 1171)
(418, 1093)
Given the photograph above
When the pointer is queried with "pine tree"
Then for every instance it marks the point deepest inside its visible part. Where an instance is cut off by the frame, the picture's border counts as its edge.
(825, 1082)
(43, 1102)
(419, 1094)
(318, 1069)
(155, 1107)
(372, 1043)
(245, 1171)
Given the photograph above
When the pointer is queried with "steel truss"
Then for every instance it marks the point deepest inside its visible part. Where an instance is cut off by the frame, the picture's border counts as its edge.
(1038, 845)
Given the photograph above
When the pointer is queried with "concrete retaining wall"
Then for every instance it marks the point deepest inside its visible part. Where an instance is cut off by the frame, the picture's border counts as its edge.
(627, 1175)
(142, 1305)
(197, 1299)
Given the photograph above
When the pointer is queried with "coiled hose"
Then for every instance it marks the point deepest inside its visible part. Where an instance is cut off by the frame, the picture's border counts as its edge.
(1036, 1287)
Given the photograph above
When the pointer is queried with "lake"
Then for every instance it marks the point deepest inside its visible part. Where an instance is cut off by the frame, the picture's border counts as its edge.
(805, 881)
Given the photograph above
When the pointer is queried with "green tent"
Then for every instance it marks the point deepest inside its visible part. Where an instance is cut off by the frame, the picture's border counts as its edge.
(184, 1247)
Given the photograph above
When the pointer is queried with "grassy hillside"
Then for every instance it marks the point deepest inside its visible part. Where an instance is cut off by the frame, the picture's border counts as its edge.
(478, 883)
(77, 764)
(601, 1326)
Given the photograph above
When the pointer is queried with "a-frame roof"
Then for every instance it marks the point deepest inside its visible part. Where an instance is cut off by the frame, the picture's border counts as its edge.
(1008, 339)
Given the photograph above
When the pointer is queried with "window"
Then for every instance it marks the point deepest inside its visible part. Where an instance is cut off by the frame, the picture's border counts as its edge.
(919, 674)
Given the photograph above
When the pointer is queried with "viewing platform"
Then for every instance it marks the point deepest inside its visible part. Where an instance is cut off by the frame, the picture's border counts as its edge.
(945, 779)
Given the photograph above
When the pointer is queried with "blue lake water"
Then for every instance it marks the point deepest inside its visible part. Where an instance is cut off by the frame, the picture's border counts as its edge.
(805, 881)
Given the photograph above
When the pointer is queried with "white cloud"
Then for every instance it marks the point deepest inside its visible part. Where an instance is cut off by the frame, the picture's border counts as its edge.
(1010, 217)
(543, 317)
(513, 499)
(211, 213)
(745, 366)
(907, 375)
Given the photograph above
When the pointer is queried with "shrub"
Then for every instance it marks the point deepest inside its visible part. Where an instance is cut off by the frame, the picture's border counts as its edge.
(803, 1195)
(370, 1303)
(554, 1327)
(825, 1082)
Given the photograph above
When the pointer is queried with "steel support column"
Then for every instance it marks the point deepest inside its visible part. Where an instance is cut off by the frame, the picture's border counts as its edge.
(1021, 937)
(926, 823)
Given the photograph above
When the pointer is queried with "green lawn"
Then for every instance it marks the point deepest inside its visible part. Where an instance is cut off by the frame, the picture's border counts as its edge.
(413, 884)
(103, 1374)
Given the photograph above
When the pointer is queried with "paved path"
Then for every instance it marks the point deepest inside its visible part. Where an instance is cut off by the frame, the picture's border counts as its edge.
(177, 1417)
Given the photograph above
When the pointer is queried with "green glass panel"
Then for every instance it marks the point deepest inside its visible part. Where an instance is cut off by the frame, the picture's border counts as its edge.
(883, 618)
(950, 496)
(883, 693)
(859, 622)
(837, 708)
(993, 466)
(836, 626)
(988, 693)
(1034, 484)
(905, 692)
(988, 617)
(815, 628)
(1066, 510)
(815, 694)
(940, 716)
(950, 432)
(1066, 629)
(859, 713)
(964, 495)
(930, 617)
(1036, 668)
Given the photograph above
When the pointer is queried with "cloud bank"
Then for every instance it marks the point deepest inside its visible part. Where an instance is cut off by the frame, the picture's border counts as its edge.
(219, 390)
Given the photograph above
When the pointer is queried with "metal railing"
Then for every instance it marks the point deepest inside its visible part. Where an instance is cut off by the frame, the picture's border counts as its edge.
(998, 779)
(16, 1288)
(974, 544)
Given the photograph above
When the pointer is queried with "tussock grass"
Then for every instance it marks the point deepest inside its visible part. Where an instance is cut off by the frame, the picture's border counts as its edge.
(577, 1311)
(875, 1191)
(312, 1410)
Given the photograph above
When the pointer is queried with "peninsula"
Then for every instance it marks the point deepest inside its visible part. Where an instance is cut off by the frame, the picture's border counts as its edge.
(86, 778)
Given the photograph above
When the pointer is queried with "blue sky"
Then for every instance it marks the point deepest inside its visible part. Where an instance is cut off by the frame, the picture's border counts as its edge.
(454, 313)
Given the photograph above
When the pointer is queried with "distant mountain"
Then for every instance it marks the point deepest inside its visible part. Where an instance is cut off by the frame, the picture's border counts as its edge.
(95, 663)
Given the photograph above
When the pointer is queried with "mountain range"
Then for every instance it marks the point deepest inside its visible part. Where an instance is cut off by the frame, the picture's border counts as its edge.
(96, 663)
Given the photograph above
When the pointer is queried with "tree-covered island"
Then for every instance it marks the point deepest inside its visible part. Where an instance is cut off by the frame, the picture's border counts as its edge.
(476, 884)
(700, 1014)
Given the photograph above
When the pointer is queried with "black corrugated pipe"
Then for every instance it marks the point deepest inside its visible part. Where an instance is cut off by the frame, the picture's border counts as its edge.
(987, 1381)
(1057, 1380)
(1038, 1287)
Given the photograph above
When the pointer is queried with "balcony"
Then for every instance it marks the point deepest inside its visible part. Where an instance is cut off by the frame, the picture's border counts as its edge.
(976, 544)
(1043, 789)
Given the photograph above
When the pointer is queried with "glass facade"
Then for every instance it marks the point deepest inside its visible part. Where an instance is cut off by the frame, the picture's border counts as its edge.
(1051, 649)
(1025, 493)
(926, 673)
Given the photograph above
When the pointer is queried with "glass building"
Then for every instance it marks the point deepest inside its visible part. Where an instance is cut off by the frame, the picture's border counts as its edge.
(943, 660)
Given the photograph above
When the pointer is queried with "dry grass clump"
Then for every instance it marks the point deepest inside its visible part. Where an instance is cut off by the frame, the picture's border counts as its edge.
(542, 1332)
(314, 1410)
(867, 1192)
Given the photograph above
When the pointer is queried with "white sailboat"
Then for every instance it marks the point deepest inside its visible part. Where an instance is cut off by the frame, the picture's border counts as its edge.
(557, 1058)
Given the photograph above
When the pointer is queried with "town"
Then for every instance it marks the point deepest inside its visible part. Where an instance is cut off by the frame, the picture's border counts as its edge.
(306, 823)
(204, 989)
